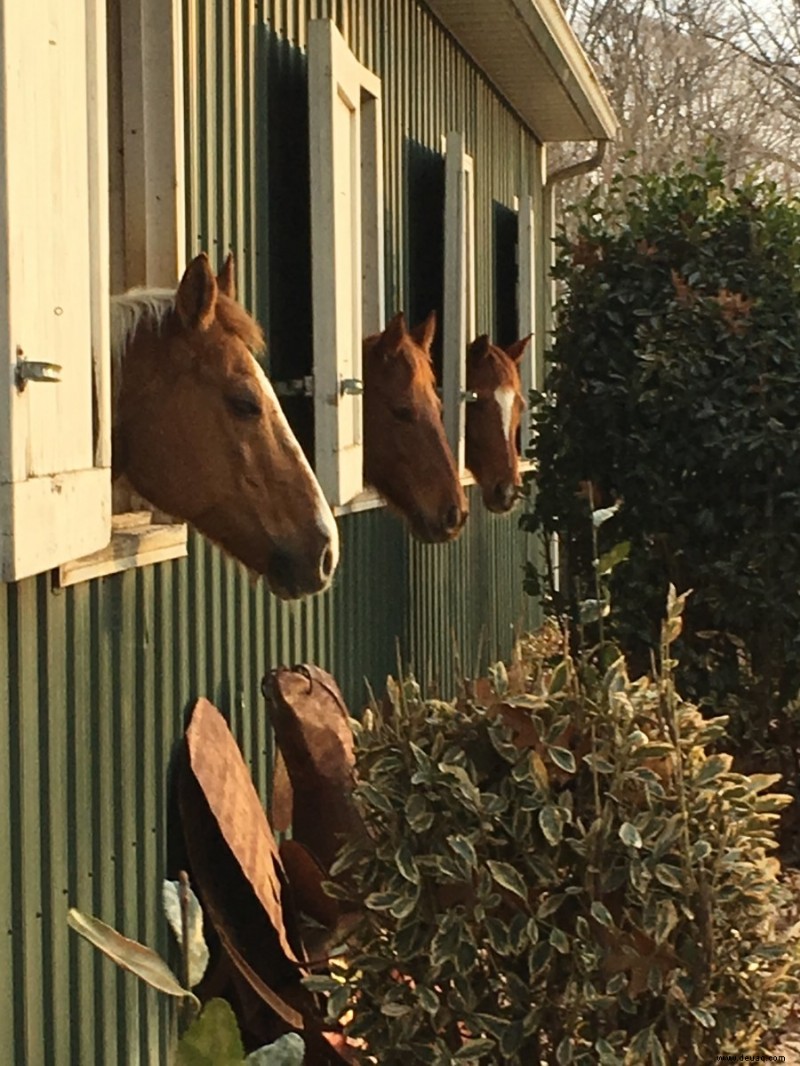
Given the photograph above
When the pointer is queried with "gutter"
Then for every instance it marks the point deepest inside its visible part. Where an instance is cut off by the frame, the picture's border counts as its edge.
(573, 170)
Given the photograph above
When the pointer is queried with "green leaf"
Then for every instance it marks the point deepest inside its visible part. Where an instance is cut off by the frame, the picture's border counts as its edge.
(197, 947)
(671, 876)
(630, 835)
(288, 1050)
(405, 863)
(129, 954)
(593, 610)
(712, 768)
(464, 848)
(564, 1052)
(381, 901)
(551, 824)
(474, 1048)
(705, 1017)
(616, 555)
(212, 1039)
(559, 940)
(395, 1010)
(602, 914)
(563, 758)
(508, 877)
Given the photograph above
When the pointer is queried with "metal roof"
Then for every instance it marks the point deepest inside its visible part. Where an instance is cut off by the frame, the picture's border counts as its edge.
(529, 52)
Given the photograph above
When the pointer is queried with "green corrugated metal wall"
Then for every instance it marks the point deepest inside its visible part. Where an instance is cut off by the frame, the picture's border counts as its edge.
(99, 677)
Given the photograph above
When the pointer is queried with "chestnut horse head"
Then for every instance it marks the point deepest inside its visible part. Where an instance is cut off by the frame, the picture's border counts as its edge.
(492, 452)
(406, 454)
(199, 432)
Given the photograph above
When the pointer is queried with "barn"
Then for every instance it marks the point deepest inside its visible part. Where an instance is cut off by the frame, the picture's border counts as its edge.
(136, 133)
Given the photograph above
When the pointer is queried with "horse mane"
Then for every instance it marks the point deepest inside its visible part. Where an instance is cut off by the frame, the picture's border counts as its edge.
(153, 306)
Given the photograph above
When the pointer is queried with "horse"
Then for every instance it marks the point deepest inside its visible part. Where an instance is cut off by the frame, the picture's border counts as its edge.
(199, 433)
(492, 447)
(406, 454)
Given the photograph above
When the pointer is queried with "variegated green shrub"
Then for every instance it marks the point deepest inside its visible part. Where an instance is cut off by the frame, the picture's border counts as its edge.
(567, 875)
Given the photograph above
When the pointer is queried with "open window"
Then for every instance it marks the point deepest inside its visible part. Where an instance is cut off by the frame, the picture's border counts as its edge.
(55, 485)
(528, 273)
(458, 327)
(143, 184)
(424, 215)
(346, 249)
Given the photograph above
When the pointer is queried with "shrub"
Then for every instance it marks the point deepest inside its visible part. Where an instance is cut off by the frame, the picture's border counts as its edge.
(674, 386)
(566, 875)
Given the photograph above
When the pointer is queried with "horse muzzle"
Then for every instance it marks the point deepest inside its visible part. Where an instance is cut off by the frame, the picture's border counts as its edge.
(443, 528)
(502, 498)
(293, 574)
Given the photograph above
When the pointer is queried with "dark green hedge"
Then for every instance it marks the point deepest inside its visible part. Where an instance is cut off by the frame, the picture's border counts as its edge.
(674, 385)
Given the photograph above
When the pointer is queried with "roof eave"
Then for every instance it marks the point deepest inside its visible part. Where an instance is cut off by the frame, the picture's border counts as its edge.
(536, 32)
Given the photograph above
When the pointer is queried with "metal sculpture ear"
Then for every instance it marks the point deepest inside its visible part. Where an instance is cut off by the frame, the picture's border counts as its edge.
(514, 351)
(424, 333)
(480, 347)
(226, 279)
(196, 298)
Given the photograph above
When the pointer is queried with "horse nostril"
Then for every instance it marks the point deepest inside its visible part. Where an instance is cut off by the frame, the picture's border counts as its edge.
(326, 564)
(504, 494)
(453, 518)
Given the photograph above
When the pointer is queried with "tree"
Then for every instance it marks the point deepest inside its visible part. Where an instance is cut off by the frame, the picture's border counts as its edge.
(681, 72)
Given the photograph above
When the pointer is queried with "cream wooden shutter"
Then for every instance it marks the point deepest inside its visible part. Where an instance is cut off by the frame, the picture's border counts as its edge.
(346, 248)
(55, 491)
(459, 287)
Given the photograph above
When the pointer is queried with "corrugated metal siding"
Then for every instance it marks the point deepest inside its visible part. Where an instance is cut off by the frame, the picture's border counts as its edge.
(97, 679)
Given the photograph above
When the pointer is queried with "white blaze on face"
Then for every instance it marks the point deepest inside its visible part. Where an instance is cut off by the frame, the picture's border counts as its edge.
(325, 519)
(505, 397)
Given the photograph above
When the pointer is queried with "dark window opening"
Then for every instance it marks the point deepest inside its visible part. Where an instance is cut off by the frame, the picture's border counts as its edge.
(506, 309)
(284, 227)
(425, 239)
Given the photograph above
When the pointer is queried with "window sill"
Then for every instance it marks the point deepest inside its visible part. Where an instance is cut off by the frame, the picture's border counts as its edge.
(136, 540)
(369, 499)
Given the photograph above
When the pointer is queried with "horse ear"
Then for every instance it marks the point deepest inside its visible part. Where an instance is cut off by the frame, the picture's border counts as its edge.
(479, 347)
(196, 298)
(394, 333)
(424, 333)
(226, 279)
(514, 351)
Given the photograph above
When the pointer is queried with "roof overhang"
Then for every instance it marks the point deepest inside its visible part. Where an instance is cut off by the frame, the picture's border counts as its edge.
(528, 51)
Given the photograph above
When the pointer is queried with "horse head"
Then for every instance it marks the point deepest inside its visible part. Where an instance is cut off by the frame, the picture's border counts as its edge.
(406, 454)
(492, 446)
(199, 432)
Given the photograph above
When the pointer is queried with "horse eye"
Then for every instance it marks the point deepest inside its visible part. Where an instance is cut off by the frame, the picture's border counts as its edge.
(404, 414)
(243, 405)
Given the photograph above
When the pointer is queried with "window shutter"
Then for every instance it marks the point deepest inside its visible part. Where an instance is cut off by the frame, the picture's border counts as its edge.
(55, 491)
(347, 248)
(459, 287)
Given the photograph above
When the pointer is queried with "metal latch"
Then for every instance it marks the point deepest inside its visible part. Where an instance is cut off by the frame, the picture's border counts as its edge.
(31, 370)
(295, 386)
(466, 395)
(351, 386)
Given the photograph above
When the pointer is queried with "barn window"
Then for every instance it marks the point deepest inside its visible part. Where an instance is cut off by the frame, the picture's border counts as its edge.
(529, 273)
(54, 409)
(424, 215)
(505, 229)
(458, 327)
(143, 182)
(346, 249)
